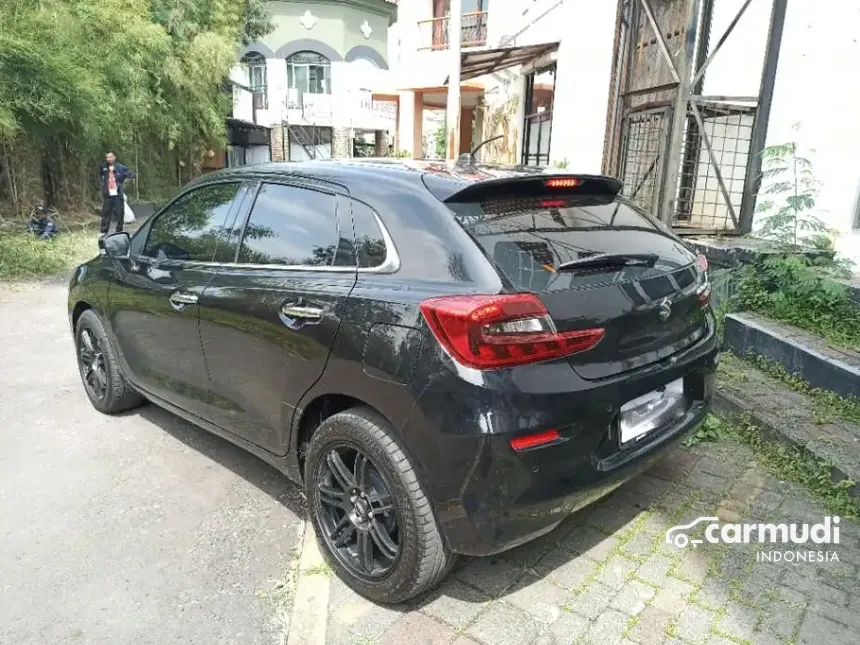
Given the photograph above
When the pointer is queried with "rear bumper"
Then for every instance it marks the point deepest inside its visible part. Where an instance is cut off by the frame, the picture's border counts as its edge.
(488, 526)
(499, 498)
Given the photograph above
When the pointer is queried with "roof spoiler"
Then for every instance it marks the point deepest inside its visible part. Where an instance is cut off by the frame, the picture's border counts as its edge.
(538, 185)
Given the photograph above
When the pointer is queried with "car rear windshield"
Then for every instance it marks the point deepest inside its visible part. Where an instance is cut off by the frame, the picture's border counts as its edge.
(527, 239)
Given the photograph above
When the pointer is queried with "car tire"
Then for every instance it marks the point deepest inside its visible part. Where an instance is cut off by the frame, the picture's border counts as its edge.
(101, 374)
(422, 559)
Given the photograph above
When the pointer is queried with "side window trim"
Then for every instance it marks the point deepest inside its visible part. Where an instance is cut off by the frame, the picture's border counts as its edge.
(230, 218)
(391, 262)
(154, 220)
(243, 213)
(253, 193)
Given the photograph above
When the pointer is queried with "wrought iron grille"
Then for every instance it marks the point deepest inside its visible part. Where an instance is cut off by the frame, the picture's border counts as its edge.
(714, 167)
(644, 146)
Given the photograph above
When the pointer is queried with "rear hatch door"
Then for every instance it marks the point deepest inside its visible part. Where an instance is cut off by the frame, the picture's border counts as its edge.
(594, 260)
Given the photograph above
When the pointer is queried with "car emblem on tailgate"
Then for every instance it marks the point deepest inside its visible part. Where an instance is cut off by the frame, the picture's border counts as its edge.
(665, 309)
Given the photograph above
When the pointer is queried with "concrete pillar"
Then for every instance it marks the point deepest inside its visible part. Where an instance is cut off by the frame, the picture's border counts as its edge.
(341, 143)
(478, 136)
(380, 143)
(279, 146)
(418, 126)
(405, 122)
(452, 114)
(466, 130)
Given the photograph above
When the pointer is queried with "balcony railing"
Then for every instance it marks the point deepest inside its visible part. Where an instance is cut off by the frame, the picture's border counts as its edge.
(473, 31)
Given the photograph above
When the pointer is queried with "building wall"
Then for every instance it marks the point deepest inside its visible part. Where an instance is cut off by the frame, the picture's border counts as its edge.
(585, 32)
(338, 25)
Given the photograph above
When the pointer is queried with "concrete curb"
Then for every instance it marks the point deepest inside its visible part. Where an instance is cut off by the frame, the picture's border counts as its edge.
(795, 350)
(310, 607)
(735, 410)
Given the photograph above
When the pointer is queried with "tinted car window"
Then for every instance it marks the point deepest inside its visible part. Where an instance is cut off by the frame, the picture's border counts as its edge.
(190, 228)
(294, 227)
(369, 243)
(528, 238)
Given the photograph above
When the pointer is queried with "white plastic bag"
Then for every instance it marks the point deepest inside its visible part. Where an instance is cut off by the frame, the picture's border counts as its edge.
(128, 215)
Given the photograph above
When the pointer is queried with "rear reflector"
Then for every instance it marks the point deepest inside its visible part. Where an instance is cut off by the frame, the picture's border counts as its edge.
(526, 441)
(703, 295)
(493, 331)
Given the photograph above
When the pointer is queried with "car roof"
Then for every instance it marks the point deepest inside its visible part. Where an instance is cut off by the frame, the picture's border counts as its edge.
(352, 174)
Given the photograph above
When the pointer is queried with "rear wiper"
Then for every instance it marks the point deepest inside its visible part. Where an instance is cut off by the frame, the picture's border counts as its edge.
(602, 260)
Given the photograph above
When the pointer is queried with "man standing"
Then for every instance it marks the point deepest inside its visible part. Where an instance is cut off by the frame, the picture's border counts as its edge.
(113, 175)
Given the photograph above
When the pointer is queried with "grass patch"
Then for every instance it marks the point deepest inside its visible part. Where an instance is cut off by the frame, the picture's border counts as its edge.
(828, 406)
(319, 570)
(23, 256)
(791, 464)
(797, 291)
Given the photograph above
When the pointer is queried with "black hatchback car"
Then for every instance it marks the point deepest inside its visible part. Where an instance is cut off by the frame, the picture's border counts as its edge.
(450, 359)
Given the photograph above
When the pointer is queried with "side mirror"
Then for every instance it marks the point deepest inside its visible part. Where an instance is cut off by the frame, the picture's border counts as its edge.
(116, 245)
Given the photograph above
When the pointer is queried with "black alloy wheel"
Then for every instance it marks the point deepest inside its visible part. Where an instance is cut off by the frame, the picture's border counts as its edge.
(91, 362)
(104, 382)
(375, 524)
(357, 513)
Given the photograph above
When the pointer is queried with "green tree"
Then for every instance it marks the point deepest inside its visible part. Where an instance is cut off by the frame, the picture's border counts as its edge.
(141, 77)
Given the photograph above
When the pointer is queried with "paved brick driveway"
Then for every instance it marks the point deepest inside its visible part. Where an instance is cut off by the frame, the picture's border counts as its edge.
(606, 576)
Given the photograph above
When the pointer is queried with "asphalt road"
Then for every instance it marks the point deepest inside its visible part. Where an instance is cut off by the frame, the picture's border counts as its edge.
(133, 529)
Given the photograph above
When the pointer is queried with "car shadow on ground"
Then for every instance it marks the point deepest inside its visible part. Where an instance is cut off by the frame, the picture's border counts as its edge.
(484, 577)
(230, 456)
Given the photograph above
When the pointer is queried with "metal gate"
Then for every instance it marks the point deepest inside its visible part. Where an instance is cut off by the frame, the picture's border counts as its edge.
(692, 159)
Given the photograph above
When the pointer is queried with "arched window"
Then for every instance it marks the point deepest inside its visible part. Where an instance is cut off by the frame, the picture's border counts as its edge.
(308, 72)
(256, 65)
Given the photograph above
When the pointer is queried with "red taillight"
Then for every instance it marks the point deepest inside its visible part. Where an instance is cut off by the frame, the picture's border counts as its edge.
(703, 295)
(487, 332)
(526, 441)
(564, 182)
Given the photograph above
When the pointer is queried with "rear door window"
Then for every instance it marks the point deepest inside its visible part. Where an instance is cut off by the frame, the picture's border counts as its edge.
(527, 239)
(294, 226)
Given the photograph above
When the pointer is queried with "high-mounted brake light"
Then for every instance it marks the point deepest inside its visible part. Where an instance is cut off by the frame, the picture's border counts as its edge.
(701, 263)
(527, 441)
(563, 182)
(552, 203)
(492, 331)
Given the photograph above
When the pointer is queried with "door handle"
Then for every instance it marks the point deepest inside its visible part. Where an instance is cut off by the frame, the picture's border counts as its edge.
(178, 300)
(302, 312)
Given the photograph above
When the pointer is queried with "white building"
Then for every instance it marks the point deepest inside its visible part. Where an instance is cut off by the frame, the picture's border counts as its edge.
(525, 63)
(318, 83)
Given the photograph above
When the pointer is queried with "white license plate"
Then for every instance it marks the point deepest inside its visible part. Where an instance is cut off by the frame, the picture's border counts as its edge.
(651, 411)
